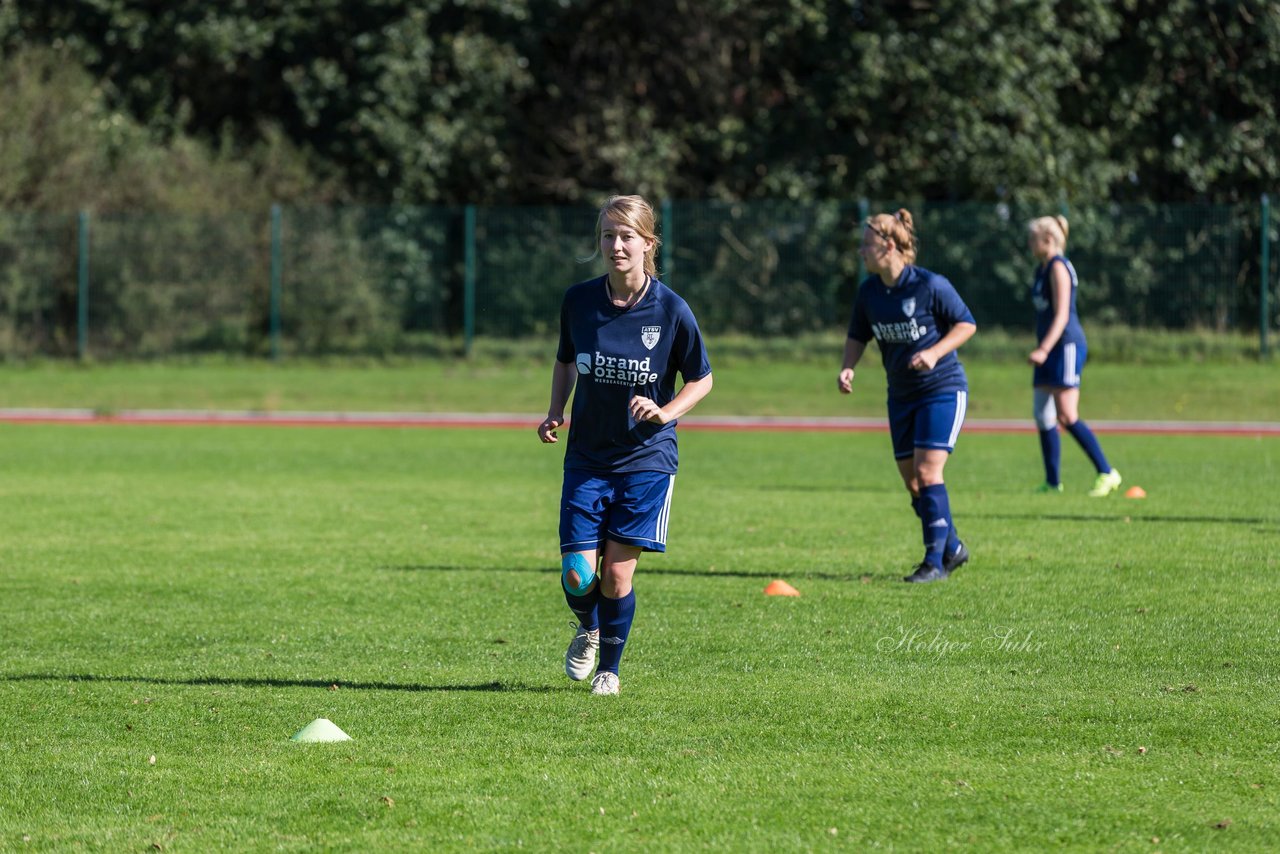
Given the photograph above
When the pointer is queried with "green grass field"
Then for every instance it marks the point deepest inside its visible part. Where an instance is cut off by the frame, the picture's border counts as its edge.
(1102, 676)
(1173, 389)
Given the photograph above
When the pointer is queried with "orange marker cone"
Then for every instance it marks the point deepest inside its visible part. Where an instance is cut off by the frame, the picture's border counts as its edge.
(778, 587)
(1135, 492)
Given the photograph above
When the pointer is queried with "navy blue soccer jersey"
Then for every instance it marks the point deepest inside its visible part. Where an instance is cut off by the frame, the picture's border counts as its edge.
(911, 316)
(620, 353)
(1042, 298)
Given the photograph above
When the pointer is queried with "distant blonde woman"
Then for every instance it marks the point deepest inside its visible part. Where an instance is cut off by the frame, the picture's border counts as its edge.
(1059, 358)
(918, 320)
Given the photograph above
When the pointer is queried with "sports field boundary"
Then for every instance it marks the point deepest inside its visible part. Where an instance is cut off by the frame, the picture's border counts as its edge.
(197, 417)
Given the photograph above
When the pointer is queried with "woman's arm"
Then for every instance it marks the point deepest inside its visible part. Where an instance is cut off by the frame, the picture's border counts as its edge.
(644, 409)
(853, 350)
(928, 357)
(563, 377)
(1061, 284)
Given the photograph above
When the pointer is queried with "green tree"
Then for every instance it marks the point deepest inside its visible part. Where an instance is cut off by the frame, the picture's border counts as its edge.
(404, 101)
(1186, 93)
(539, 101)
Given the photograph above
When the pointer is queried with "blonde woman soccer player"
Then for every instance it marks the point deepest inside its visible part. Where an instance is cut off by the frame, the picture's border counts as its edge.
(918, 321)
(1059, 358)
(624, 337)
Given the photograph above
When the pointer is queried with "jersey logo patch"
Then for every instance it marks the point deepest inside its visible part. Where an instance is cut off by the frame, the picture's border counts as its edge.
(649, 336)
(909, 307)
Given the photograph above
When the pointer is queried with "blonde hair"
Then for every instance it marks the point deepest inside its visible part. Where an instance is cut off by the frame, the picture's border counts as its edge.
(899, 228)
(635, 212)
(1054, 226)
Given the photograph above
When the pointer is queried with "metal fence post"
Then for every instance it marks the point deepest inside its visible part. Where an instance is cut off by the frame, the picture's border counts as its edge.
(668, 243)
(469, 280)
(276, 271)
(1265, 291)
(82, 289)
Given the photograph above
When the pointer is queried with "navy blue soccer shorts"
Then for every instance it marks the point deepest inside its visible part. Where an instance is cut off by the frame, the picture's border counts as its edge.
(930, 422)
(631, 508)
(1063, 366)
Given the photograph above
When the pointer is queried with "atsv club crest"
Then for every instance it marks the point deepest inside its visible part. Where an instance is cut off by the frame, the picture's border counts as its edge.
(909, 307)
(649, 336)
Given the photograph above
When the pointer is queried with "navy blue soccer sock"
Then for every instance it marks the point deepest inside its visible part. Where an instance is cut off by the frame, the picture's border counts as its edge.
(585, 607)
(953, 536)
(935, 522)
(1082, 434)
(615, 624)
(1051, 450)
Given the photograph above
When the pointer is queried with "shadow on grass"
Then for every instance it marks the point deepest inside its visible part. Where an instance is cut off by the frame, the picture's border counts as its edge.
(1090, 517)
(279, 683)
(703, 574)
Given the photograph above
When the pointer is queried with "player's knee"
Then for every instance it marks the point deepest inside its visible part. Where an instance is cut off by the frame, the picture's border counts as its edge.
(576, 573)
(1046, 414)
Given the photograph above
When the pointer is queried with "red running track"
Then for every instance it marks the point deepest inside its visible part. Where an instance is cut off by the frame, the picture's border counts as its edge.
(530, 422)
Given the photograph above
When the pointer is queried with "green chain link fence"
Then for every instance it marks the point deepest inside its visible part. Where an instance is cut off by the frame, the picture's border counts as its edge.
(435, 279)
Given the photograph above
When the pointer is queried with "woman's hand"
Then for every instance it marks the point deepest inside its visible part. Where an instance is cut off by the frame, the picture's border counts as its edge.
(1038, 356)
(644, 409)
(924, 360)
(546, 430)
(844, 382)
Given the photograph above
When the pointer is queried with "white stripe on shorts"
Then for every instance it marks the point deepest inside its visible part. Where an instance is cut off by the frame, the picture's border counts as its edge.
(962, 402)
(1069, 375)
(665, 515)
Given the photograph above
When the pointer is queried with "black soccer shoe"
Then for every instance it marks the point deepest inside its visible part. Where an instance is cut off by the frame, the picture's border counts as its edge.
(956, 559)
(926, 572)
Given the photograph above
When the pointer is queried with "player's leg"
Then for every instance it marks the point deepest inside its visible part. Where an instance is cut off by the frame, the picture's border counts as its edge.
(1066, 404)
(935, 506)
(948, 418)
(582, 519)
(1046, 415)
(637, 522)
(903, 419)
(581, 586)
(911, 480)
(1067, 401)
(937, 427)
(902, 435)
(617, 611)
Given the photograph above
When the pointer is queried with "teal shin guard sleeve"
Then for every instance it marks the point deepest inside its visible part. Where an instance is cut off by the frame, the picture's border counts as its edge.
(576, 564)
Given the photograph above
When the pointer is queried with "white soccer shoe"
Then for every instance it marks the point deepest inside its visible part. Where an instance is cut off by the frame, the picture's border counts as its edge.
(605, 683)
(580, 657)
